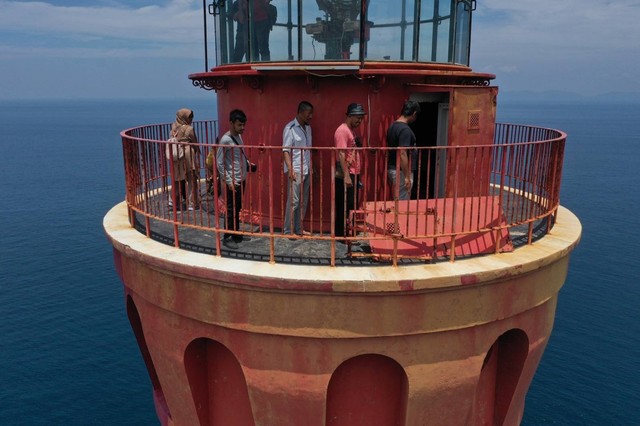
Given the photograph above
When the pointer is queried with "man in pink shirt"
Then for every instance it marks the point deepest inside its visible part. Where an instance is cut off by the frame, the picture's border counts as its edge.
(347, 166)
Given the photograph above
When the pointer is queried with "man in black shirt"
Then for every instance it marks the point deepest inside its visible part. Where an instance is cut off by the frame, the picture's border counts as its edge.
(400, 135)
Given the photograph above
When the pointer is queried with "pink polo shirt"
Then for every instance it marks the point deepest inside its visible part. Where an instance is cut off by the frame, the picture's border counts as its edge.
(344, 138)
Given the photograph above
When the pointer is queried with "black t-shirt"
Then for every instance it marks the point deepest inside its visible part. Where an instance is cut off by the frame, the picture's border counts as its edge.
(399, 134)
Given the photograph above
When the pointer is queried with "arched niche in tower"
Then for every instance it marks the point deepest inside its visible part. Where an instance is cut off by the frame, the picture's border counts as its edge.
(367, 390)
(162, 408)
(499, 377)
(217, 383)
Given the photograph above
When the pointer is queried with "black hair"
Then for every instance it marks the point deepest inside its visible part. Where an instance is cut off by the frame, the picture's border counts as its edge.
(237, 115)
(409, 108)
(304, 106)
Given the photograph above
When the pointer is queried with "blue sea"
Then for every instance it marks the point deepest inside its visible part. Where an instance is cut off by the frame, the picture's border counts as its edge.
(69, 357)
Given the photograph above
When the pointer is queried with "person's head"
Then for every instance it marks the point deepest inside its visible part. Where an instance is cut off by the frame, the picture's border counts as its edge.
(410, 110)
(237, 121)
(355, 114)
(184, 116)
(305, 113)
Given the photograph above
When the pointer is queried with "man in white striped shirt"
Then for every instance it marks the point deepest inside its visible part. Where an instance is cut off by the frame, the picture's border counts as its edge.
(297, 167)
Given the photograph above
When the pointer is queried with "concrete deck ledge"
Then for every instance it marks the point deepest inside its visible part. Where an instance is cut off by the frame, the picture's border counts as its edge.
(562, 239)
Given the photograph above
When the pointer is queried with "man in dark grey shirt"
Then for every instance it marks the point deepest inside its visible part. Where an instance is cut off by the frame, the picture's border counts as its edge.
(400, 135)
(232, 164)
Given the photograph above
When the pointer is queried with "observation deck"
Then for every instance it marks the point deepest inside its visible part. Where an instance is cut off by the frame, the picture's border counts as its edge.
(471, 200)
(283, 331)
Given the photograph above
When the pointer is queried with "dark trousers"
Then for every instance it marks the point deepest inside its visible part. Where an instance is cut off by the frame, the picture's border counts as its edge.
(345, 203)
(181, 192)
(240, 47)
(234, 205)
(261, 30)
(259, 43)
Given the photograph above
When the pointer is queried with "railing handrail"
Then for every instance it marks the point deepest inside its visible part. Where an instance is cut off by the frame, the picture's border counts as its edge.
(557, 136)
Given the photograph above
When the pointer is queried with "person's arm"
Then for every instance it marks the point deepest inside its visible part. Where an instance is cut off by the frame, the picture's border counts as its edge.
(341, 141)
(287, 161)
(193, 139)
(221, 161)
(345, 168)
(287, 143)
(405, 142)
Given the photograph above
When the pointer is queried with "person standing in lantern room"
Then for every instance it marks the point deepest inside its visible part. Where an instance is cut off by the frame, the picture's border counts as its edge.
(400, 135)
(297, 167)
(261, 19)
(347, 166)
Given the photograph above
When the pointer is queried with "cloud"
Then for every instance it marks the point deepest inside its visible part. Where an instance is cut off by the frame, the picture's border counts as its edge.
(576, 24)
(44, 28)
(567, 44)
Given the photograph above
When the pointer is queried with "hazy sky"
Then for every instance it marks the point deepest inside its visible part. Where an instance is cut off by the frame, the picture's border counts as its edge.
(145, 48)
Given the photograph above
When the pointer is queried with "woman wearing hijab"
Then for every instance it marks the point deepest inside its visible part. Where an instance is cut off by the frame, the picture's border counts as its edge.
(185, 168)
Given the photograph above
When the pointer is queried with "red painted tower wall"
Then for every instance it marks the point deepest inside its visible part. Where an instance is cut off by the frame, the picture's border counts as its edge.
(270, 100)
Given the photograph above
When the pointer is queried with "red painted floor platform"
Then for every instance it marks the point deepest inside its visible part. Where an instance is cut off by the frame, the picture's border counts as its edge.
(471, 225)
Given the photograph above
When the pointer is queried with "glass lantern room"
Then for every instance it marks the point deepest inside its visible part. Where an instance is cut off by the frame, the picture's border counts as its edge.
(341, 30)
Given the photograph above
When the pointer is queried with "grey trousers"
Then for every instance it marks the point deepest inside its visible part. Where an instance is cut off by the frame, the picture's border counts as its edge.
(297, 201)
(403, 193)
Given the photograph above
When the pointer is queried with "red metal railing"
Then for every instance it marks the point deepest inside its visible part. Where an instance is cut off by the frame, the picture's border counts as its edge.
(466, 200)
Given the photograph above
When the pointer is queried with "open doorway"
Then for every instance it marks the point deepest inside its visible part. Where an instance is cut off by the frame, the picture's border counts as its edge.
(430, 129)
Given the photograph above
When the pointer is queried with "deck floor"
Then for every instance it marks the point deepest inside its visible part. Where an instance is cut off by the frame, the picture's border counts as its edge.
(257, 247)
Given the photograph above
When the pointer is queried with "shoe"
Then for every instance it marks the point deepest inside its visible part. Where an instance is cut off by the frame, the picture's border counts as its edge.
(190, 208)
(229, 243)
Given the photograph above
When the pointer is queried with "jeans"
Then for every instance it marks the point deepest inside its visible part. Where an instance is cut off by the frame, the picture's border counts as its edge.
(403, 192)
(297, 201)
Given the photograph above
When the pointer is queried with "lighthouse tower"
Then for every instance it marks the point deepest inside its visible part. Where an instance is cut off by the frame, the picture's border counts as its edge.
(438, 308)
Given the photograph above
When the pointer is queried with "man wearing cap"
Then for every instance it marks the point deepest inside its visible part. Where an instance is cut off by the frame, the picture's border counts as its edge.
(347, 166)
(400, 135)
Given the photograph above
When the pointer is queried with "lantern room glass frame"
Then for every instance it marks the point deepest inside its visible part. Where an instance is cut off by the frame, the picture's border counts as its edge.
(436, 31)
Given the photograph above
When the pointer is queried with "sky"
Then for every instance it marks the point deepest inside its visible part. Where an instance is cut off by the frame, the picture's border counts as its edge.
(146, 49)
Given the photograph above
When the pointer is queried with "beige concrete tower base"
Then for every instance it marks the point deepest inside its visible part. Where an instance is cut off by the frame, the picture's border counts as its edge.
(238, 342)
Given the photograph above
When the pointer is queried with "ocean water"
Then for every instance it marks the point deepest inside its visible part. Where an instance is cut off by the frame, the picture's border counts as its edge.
(68, 355)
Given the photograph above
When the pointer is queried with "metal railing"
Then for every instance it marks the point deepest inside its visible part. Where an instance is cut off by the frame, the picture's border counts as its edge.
(465, 201)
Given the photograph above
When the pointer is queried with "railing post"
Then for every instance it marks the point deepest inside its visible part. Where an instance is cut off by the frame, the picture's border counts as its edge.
(272, 243)
(332, 226)
(503, 166)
